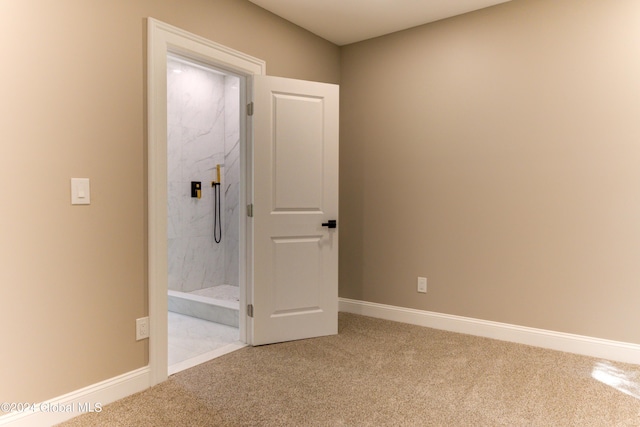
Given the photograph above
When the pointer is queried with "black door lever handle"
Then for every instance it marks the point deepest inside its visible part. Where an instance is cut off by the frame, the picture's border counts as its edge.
(331, 224)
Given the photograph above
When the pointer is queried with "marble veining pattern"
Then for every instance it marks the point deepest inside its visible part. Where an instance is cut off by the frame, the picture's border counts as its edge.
(202, 122)
(232, 180)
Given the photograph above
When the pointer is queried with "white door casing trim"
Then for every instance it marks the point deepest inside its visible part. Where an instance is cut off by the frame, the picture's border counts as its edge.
(561, 341)
(163, 39)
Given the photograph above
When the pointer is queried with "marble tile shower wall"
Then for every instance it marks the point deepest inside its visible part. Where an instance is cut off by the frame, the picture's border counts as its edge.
(197, 135)
(231, 185)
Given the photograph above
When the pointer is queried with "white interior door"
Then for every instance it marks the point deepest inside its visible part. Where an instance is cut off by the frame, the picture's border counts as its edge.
(295, 286)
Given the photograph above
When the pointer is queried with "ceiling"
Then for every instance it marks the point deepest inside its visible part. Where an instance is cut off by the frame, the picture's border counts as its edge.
(348, 21)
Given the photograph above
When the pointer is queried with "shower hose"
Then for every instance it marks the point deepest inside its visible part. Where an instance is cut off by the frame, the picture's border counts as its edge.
(217, 217)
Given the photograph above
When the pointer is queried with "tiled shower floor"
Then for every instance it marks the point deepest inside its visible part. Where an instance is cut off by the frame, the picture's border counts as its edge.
(193, 341)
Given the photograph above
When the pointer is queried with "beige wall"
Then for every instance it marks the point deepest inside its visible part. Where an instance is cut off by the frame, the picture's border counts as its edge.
(495, 153)
(498, 154)
(73, 279)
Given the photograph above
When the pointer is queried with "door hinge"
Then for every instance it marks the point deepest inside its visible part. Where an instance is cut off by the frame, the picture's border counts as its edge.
(250, 109)
(250, 310)
(250, 210)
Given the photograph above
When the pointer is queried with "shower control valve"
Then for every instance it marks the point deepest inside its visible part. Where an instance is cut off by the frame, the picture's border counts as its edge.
(196, 189)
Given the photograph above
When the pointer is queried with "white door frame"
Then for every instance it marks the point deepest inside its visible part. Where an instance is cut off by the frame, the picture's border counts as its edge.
(163, 39)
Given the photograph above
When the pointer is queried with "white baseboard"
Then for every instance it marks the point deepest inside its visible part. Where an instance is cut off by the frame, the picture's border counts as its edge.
(56, 410)
(70, 405)
(578, 344)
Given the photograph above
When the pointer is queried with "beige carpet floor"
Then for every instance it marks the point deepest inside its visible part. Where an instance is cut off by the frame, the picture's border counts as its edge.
(381, 373)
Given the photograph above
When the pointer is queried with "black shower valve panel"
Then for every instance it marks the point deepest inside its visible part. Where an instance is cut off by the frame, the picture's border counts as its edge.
(196, 189)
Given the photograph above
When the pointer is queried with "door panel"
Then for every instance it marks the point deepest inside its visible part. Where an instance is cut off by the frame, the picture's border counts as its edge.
(295, 289)
(298, 150)
(296, 262)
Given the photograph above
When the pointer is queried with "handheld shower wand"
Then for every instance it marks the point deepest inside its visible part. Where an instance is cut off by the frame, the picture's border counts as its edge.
(217, 214)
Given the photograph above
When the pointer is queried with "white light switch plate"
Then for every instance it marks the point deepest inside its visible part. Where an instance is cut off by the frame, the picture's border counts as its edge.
(80, 191)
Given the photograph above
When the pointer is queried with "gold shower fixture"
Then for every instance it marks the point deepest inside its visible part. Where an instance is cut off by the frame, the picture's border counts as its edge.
(217, 181)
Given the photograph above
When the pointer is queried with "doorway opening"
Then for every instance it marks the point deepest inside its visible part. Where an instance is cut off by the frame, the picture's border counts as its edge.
(203, 207)
(287, 236)
(165, 40)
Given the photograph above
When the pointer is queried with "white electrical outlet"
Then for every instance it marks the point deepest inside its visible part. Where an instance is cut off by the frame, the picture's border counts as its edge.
(422, 285)
(142, 328)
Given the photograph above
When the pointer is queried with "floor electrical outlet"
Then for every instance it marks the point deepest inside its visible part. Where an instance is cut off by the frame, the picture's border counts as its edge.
(422, 285)
(142, 328)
